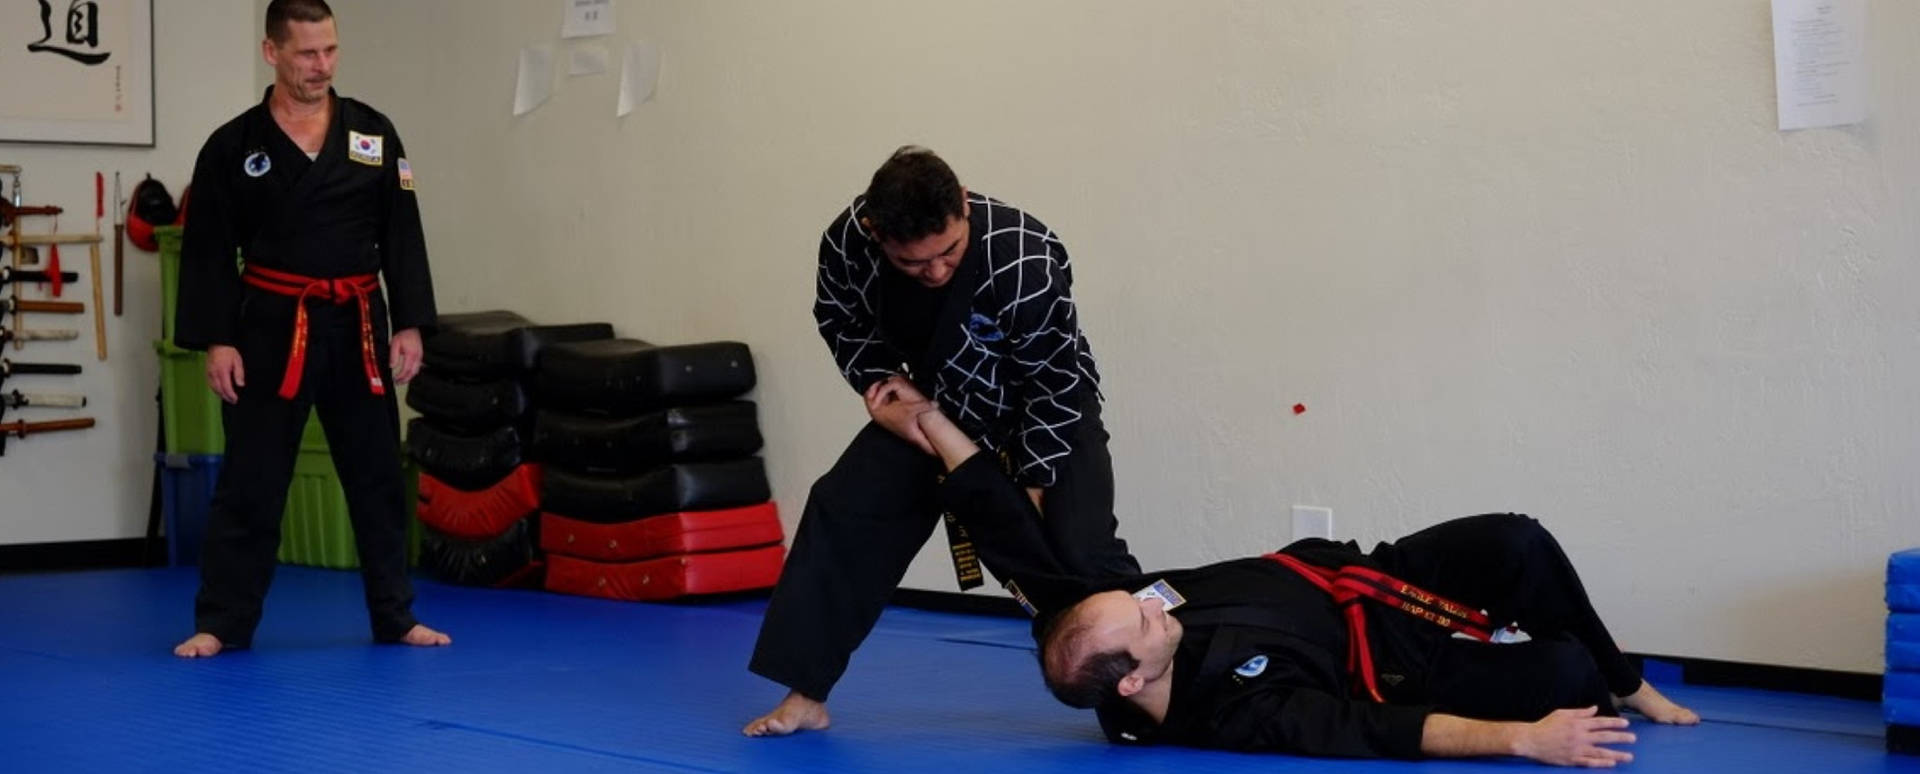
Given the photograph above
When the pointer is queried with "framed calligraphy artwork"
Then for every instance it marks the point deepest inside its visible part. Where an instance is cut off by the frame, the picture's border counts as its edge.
(76, 71)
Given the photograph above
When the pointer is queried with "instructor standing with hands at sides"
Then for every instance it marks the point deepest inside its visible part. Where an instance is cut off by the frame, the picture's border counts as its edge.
(314, 195)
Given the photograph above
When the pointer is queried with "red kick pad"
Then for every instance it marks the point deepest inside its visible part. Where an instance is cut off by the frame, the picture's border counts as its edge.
(483, 514)
(668, 576)
(687, 532)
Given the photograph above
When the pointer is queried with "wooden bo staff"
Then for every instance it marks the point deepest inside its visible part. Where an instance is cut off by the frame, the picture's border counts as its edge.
(93, 250)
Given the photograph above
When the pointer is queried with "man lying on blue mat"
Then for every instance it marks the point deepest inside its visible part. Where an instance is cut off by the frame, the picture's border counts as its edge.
(1319, 649)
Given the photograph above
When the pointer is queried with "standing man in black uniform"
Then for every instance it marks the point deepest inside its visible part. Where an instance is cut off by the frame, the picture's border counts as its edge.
(973, 301)
(313, 193)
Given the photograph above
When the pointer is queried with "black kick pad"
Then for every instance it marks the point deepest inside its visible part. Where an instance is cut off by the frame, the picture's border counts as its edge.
(464, 343)
(533, 342)
(625, 377)
(586, 442)
(467, 402)
(507, 560)
(687, 486)
(467, 461)
(499, 343)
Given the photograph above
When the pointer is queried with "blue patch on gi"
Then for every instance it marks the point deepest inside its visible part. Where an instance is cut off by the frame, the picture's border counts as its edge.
(257, 164)
(982, 328)
(1253, 667)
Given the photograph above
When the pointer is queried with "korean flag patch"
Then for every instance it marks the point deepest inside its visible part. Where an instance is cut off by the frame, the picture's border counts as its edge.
(406, 173)
(1252, 668)
(364, 148)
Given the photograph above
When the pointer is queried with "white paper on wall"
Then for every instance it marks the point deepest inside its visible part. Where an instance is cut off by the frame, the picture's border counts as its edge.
(639, 76)
(1819, 62)
(535, 79)
(586, 18)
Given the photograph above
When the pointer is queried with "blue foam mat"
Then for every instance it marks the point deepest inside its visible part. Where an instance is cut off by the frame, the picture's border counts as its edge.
(1903, 597)
(1902, 684)
(543, 682)
(1903, 655)
(1904, 567)
(1904, 712)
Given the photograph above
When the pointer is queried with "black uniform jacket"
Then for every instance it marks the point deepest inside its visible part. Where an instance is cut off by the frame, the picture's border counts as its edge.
(349, 211)
(1006, 359)
(1262, 662)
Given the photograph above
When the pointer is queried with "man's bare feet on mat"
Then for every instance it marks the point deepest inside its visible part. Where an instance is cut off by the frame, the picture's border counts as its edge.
(421, 636)
(199, 645)
(795, 713)
(1658, 708)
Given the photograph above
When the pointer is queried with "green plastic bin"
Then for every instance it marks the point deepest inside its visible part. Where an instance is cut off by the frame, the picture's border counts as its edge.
(191, 412)
(316, 531)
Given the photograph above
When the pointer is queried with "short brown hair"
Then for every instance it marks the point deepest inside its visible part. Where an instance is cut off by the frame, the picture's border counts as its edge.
(280, 12)
(1075, 675)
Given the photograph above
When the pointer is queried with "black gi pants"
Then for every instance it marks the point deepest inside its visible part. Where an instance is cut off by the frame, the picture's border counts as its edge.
(263, 440)
(1514, 569)
(867, 518)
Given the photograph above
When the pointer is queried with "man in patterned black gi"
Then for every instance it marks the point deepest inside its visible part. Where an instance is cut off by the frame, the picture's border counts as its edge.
(972, 300)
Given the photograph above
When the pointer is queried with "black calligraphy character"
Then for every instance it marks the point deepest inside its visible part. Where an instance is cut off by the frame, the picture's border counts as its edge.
(83, 29)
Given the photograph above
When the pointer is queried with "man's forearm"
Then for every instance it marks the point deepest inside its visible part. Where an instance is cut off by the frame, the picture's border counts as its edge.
(949, 441)
(1452, 736)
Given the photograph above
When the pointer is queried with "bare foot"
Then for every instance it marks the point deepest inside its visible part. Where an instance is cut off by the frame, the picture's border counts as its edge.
(421, 636)
(199, 645)
(1658, 708)
(795, 713)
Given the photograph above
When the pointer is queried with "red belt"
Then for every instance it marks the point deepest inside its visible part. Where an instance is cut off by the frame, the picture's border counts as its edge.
(339, 291)
(1350, 584)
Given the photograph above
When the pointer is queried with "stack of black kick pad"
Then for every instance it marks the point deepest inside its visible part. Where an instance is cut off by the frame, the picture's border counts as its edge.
(479, 489)
(651, 488)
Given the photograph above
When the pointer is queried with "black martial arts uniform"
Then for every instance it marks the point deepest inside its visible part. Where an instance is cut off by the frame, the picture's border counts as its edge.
(324, 227)
(1000, 348)
(1263, 660)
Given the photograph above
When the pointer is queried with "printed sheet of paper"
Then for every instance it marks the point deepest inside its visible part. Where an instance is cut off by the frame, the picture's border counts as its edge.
(639, 75)
(587, 18)
(535, 81)
(1819, 62)
(587, 60)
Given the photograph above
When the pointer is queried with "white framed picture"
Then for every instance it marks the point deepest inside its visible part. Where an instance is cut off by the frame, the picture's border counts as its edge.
(76, 71)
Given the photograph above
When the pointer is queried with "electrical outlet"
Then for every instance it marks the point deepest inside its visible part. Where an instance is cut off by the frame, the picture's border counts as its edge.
(1312, 521)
